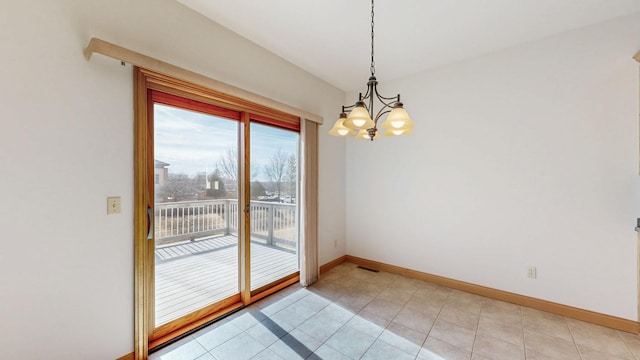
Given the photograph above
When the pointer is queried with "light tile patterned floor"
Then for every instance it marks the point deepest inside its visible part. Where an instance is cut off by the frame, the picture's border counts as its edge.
(353, 313)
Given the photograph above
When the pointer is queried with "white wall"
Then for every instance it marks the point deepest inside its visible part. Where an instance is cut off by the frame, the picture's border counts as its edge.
(66, 143)
(523, 157)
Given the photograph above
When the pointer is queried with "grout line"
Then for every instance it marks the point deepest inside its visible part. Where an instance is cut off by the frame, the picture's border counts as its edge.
(524, 343)
(573, 339)
(473, 348)
(625, 344)
(362, 309)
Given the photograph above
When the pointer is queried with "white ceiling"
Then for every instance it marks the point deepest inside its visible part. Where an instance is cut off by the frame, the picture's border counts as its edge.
(331, 38)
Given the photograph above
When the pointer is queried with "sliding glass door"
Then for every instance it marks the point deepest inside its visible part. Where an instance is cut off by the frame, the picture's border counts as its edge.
(274, 203)
(195, 207)
(220, 188)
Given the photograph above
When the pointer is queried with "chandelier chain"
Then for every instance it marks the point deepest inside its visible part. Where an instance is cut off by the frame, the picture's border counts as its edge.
(373, 63)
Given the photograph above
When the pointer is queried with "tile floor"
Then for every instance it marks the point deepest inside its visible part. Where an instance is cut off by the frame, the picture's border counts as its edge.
(353, 313)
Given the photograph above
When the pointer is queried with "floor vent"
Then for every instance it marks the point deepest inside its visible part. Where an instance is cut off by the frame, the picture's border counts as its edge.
(369, 269)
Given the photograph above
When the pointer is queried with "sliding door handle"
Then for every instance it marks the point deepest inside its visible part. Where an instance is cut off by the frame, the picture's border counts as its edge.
(150, 222)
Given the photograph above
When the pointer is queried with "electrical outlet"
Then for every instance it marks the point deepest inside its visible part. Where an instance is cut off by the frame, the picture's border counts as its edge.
(335, 243)
(113, 205)
(532, 273)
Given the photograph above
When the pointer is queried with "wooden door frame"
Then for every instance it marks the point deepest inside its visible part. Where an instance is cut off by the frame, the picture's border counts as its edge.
(140, 216)
(244, 221)
(144, 81)
(637, 58)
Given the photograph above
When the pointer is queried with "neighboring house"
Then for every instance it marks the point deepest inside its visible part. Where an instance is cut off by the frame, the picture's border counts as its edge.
(161, 173)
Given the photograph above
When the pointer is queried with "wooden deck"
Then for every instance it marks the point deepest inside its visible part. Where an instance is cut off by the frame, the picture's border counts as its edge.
(192, 275)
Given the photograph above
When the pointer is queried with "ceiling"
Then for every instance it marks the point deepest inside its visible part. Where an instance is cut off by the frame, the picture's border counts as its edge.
(331, 38)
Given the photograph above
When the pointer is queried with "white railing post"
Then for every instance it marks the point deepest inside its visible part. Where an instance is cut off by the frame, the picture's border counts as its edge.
(227, 216)
(270, 224)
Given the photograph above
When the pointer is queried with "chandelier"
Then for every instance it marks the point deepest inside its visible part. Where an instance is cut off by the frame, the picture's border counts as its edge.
(360, 120)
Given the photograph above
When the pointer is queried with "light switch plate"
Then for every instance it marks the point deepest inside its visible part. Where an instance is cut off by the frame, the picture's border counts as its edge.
(113, 205)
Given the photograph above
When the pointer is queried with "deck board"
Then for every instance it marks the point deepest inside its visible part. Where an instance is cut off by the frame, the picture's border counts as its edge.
(190, 276)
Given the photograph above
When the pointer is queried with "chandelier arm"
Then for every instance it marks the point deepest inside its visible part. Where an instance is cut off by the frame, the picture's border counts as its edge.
(394, 98)
(366, 96)
(371, 110)
(381, 98)
(389, 104)
(383, 111)
(370, 91)
(348, 107)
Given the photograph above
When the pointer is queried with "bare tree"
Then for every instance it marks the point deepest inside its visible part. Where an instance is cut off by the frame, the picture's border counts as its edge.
(255, 171)
(276, 169)
(291, 176)
(228, 166)
(180, 187)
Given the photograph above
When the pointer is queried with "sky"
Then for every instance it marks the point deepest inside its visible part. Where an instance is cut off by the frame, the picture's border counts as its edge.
(193, 142)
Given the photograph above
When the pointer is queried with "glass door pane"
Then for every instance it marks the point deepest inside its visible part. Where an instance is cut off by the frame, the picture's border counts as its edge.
(196, 210)
(274, 203)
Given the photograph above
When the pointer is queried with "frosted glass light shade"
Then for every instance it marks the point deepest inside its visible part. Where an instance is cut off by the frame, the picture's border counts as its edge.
(359, 119)
(397, 132)
(398, 119)
(364, 135)
(339, 129)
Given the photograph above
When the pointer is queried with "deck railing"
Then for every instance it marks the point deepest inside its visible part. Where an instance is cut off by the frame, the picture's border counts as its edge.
(273, 223)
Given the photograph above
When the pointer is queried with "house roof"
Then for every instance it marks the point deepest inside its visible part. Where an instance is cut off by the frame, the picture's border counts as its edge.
(160, 164)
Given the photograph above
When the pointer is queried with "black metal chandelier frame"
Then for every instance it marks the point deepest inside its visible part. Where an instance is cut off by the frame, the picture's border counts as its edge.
(388, 103)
